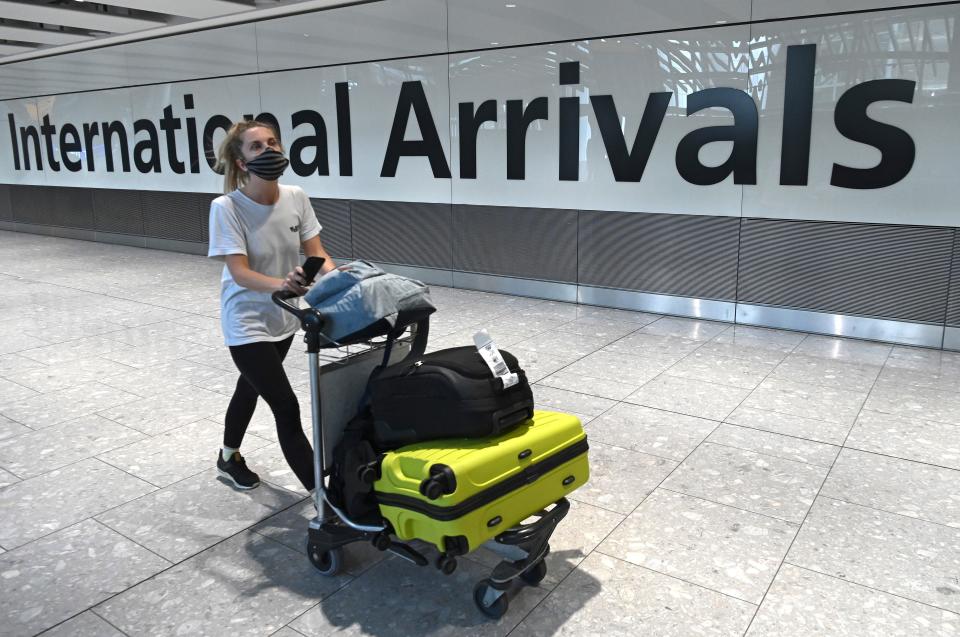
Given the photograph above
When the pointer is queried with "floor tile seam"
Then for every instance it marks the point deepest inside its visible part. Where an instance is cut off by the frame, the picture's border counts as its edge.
(865, 401)
(19, 477)
(675, 577)
(659, 485)
(573, 496)
(100, 376)
(786, 554)
(172, 564)
(874, 589)
(766, 454)
(904, 458)
(899, 416)
(95, 517)
(579, 358)
(93, 611)
(777, 433)
(784, 413)
(110, 296)
(159, 433)
(36, 392)
(203, 550)
(956, 529)
(90, 610)
(572, 570)
(796, 525)
(66, 422)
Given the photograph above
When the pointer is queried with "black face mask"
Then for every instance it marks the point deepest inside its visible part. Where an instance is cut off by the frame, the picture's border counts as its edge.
(268, 165)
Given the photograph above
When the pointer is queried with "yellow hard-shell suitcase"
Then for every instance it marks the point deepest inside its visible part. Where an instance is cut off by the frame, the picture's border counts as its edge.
(457, 494)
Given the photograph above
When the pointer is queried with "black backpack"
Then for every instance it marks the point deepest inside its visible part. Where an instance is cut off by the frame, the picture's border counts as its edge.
(355, 467)
(450, 393)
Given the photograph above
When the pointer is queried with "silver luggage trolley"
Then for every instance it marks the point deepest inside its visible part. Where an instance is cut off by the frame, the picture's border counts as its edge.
(523, 548)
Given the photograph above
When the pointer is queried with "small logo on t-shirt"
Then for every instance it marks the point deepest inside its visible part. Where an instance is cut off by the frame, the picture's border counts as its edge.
(294, 228)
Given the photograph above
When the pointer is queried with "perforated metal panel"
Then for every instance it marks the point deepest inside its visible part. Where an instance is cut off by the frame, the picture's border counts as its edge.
(6, 209)
(175, 215)
(403, 232)
(953, 308)
(682, 255)
(531, 243)
(893, 272)
(117, 211)
(71, 207)
(334, 216)
(30, 204)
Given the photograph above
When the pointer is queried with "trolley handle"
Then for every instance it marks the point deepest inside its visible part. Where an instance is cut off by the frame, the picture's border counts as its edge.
(310, 319)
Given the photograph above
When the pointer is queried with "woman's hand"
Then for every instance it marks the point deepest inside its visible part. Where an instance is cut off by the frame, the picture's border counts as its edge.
(295, 282)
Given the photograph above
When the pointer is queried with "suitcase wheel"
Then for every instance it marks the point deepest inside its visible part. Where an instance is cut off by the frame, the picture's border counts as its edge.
(327, 561)
(491, 601)
(447, 564)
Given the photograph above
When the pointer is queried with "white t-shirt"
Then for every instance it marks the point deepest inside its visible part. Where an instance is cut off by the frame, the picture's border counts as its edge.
(270, 236)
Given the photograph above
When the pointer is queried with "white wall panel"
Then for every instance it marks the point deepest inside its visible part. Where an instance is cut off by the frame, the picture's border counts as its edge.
(629, 69)
(214, 53)
(477, 24)
(770, 9)
(81, 71)
(233, 97)
(375, 31)
(909, 44)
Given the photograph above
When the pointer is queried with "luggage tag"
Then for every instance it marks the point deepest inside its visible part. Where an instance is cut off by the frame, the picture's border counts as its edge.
(491, 355)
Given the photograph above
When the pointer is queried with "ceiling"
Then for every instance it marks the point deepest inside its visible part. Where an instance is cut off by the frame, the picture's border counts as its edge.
(27, 26)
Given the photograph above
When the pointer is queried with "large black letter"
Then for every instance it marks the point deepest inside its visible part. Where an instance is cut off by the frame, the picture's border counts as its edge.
(743, 133)
(797, 114)
(317, 141)
(413, 97)
(217, 121)
(13, 141)
(518, 121)
(897, 150)
(629, 165)
(72, 146)
(169, 124)
(48, 131)
(192, 135)
(26, 134)
(151, 144)
(569, 155)
(89, 132)
(344, 138)
(109, 130)
(469, 125)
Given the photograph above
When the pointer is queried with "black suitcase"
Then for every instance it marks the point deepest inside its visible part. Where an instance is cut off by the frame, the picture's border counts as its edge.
(449, 393)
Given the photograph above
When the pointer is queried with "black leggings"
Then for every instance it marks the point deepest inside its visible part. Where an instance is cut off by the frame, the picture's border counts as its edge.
(262, 374)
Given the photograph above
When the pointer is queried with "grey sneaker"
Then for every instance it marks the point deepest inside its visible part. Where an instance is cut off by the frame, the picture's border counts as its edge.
(235, 470)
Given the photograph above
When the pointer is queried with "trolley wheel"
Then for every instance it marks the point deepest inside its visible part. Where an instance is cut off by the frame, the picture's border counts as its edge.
(535, 574)
(327, 561)
(447, 564)
(494, 609)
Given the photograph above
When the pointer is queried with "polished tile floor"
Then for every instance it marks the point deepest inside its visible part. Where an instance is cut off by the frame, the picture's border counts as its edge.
(744, 481)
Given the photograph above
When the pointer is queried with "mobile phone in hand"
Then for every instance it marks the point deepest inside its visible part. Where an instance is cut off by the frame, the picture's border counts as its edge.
(311, 267)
